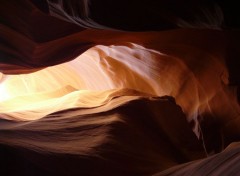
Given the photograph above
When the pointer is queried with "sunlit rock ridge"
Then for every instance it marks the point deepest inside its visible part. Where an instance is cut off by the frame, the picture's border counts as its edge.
(123, 88)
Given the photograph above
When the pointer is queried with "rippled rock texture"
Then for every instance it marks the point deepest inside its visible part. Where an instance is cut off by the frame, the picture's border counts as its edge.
(119, 88)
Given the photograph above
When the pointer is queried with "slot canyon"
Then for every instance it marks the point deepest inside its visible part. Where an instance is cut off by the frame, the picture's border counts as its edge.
(119, 88)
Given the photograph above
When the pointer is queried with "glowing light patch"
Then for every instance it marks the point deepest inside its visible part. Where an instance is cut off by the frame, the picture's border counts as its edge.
(4, 94)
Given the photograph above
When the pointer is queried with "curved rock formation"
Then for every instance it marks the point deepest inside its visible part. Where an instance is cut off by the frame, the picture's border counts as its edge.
(124, 88)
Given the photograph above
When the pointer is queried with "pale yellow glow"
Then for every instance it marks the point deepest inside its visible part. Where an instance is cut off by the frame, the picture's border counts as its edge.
(5, 94)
